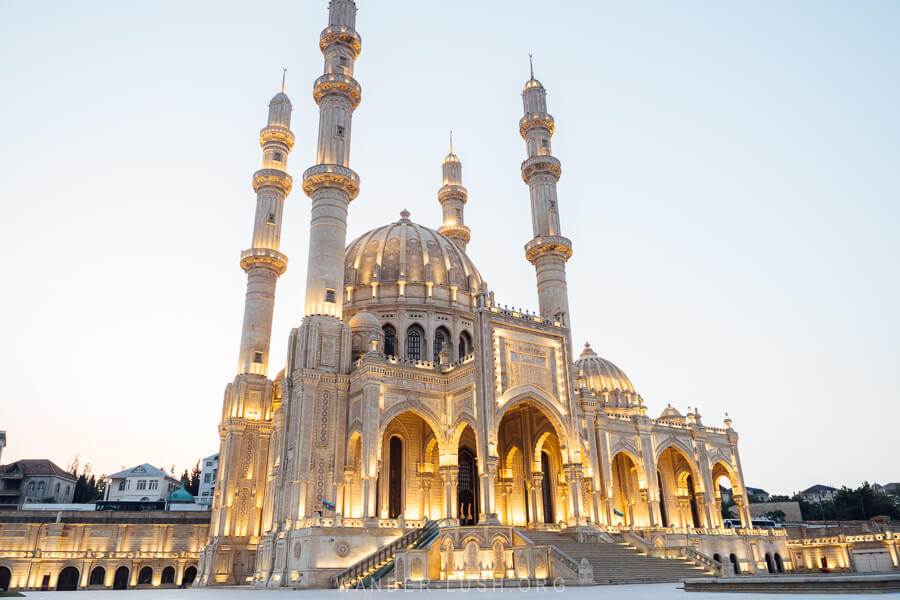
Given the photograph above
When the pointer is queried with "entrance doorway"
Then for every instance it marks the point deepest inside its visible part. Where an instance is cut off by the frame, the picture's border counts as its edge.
(466, 490)
(67, 580)
(5, 576)
(395, 478)
(120, 579)
(547, 488)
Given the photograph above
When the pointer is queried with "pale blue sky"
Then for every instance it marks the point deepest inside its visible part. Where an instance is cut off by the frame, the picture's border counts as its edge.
(730, 183)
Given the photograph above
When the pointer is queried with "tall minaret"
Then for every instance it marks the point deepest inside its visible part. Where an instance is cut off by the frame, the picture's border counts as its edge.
(263, 262)
(246, 424)
(452, 197)
(549, 250)
(330, 182)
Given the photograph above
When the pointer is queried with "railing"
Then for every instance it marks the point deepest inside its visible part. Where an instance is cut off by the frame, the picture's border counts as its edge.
(381, 562)
(673, 552)
(554, 552)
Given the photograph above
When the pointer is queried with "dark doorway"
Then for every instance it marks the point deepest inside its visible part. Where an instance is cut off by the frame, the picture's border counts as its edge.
(5, 576)
(735, 564)
(45, 583)
(168, 576)
(548, 489)
(695, 513)
(67, 580)
(779, 564)
(189, 575)
(770, 565)
(395, 478)
(466, 490)
(717, 558)
(120, 579)
(145, 576)
(98, 576)
(663, 513)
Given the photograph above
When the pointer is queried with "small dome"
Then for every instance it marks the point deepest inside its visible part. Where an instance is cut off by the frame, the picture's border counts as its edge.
(279, 98)
(532, 83)
(670, 413)
(601, 374)
(451, 158)
(364, 320)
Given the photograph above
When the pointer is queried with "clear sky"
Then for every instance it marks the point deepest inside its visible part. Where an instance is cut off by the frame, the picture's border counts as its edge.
(730, 183)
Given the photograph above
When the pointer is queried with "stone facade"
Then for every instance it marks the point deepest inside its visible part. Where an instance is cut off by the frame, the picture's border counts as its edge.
(99, 550)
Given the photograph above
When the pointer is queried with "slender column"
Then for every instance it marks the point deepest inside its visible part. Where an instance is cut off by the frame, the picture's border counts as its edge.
(449, 477)
(330, 183)
(548, 251)
(488, 515)
(537, 497)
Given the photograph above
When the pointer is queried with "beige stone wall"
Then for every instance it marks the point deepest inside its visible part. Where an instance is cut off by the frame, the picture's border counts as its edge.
(791, 510)
(36, 548)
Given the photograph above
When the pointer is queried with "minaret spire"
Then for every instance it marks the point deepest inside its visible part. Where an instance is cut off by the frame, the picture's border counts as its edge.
(548, 251)
(283, 75)
(452, 197)
(330, 183)
(531, 65)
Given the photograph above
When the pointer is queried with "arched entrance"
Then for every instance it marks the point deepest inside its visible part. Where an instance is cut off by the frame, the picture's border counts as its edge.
(529, 488)
(120, 579)
(676, 477)
(67, 580)
(98, 576)
(145, 576)
(728, 505)
(779, 563)
(735, 564)
(168, 576)
(190, 574)
(626, 489)
(408, 480)
(5, 577)
(770, 564)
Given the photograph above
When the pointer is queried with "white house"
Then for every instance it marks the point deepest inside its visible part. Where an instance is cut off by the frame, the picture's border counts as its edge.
(208, 472)
(144, 483)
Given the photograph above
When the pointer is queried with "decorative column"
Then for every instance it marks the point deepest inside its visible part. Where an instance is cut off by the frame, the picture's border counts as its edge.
(537, 497)
(488, 514)
(548, 251)
(573, 472)
(450, 477)
(452, 197)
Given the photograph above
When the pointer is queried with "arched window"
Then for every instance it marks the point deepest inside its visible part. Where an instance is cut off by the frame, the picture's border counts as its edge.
(438, 344)
(413, 345)
(770, 564)
(735, 564)
(779, 563)
(390, 341)
(145, 576)
(189, 575)
(98, 576)
(465, 345)
(168, 575)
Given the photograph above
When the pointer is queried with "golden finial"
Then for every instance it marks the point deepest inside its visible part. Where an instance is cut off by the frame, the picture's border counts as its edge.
(531, 65)
(451, 141)
(283, 75)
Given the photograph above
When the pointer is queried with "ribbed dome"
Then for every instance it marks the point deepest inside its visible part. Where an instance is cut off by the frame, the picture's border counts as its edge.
(412, 255)
(601, 374)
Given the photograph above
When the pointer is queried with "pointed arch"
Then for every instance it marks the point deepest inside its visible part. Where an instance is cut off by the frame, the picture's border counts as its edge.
(540, 400)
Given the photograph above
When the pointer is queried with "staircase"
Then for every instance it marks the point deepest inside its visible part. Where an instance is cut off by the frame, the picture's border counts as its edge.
(618, 563)
(368, 571)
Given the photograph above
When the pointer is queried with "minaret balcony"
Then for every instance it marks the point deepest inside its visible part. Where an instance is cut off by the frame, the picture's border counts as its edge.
(456, 231)
(338, 84)
(452, 192)
(331, 176)
(264, 257)
(543, 245)
(341, 34)
(277, 133)
(542, 163)
(532, 120)
(272, 178)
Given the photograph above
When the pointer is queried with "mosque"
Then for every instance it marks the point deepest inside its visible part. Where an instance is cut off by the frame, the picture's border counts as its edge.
(418, 426)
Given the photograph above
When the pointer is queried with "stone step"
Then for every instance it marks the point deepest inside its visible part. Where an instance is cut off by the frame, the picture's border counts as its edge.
(619, 563)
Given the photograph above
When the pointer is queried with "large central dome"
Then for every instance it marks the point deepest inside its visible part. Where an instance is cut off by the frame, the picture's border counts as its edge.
(407, 262)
